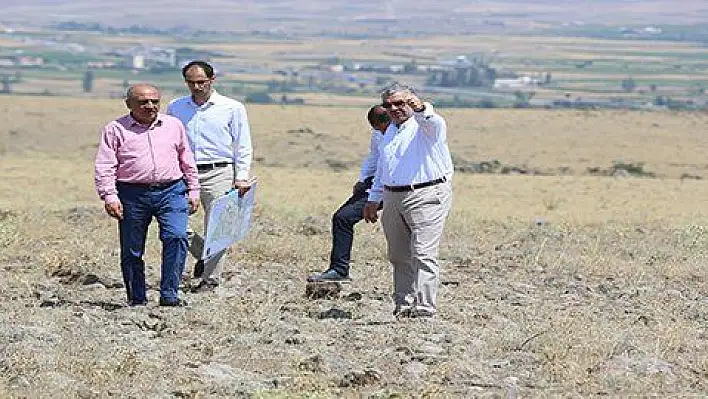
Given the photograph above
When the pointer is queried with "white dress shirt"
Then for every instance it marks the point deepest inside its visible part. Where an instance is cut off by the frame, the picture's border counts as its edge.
(368, 165)
(414, 152)
(217, 130)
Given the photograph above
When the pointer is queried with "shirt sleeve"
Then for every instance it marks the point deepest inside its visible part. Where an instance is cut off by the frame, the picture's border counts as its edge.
(368, 165)
(431, 124)
(106, 166)
(376, 191)
(241, 135)
(187, 163)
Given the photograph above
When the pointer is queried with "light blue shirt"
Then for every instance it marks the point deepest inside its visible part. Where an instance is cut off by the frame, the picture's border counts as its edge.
(414, 152)
(368, 165)
(217, 130)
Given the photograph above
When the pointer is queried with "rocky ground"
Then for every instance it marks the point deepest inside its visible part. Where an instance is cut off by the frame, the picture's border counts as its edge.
(569, 285)
(538, 310)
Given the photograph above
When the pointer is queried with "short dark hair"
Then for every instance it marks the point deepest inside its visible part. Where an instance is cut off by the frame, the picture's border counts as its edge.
(208, 69)
(377, 114)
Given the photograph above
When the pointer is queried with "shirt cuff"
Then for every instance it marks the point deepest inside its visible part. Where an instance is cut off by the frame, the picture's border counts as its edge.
(111, 198)
(242, 175)
(375, 196)
(194, 194)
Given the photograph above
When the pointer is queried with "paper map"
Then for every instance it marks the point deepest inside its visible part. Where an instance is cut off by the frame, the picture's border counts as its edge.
(229, 220)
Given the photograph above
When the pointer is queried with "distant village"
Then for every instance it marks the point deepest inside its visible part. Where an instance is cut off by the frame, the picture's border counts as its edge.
(457, 80)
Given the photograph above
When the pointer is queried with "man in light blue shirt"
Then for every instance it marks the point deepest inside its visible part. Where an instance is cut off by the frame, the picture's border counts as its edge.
(413, 180)
(220, 138)
(351, 212)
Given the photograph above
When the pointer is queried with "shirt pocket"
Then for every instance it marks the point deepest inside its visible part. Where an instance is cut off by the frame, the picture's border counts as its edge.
(135, 145)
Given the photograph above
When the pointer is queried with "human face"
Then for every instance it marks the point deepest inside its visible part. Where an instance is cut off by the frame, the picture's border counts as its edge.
(199, 84)
(397, 107)
(144, 104)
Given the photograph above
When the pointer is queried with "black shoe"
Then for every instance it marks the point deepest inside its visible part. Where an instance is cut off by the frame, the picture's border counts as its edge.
(134, 302)
(199, 269)
(329, 276)
(404, 313)
(422, 314)
(206, 285)
(173, 302)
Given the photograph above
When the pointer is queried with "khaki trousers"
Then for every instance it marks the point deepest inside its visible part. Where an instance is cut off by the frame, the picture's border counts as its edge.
(413, 222)
(214, 184)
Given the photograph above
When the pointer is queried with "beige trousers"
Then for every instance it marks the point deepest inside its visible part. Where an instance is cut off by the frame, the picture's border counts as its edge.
(413, 222)
(214, 184)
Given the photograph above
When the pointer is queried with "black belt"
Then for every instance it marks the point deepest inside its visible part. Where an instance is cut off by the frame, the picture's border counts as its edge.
(150, 186)
(204, 167)
(415, 186)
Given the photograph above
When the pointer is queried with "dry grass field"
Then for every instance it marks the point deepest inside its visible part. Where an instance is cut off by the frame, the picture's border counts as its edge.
(565, 284)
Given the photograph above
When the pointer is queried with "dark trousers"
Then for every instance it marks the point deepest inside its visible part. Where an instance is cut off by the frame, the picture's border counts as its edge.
(343, 222)
(170, 207)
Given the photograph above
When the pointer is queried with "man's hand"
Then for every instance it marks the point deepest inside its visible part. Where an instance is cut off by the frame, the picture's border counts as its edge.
(114, 210)
(359, 186)
(193, 205)
(415, 102)
(371, 211)
(242, 186)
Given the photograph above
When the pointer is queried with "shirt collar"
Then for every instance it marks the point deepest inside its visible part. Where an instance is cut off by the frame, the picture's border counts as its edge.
(157, 123)
(383, 131)
(404, 124)
(214, 98)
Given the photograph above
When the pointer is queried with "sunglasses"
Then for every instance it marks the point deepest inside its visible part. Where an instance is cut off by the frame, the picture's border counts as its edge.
(398, 104)
(148, 100)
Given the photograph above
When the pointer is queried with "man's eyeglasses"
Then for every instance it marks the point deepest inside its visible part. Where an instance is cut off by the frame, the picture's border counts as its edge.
(197, 82)
(148, 100)
(389, 105)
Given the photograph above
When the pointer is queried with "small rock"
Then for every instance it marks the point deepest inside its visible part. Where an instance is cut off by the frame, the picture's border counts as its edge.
(325, 290)
(360, 378)
(334, 313)
(354, 296)
(89, 279)
(294, 340)
(313, 364)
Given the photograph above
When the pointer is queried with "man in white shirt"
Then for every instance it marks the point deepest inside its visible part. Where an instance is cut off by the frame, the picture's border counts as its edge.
(220, 138)
(351, 212)
(413, 180)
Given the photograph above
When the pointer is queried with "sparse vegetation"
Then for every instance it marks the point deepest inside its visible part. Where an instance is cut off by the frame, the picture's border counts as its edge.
(568, 285)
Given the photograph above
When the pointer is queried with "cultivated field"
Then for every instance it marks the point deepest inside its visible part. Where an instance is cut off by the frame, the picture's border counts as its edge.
(580, 68)
(562, 284)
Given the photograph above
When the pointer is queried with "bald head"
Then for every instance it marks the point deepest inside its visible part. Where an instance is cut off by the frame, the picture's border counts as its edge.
(138, 88)
(143, 101)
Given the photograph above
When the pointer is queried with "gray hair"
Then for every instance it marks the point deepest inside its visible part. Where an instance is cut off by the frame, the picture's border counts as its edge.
(396, 87)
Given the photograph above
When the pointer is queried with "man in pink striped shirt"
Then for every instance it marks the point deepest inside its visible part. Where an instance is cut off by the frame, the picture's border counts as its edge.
(145, 168)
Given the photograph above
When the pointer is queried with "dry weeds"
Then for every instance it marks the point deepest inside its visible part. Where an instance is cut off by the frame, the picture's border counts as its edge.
(552, 285)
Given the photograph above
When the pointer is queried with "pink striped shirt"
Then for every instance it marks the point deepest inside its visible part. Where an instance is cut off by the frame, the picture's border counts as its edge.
(133, 153)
